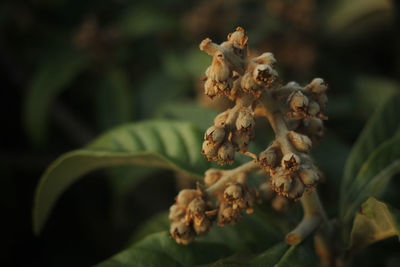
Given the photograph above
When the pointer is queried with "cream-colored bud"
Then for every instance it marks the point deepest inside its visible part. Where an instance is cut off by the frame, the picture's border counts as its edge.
(300, 141)
(227, 215)
(238, 38)
(176, 213)
(241, 141)
(317, 86)
(268, 157)
(281, 182)
(266, 58)
(212, 176)
(248, 83)
(186, 196)
(219, 70)
(182, 233)
(245, 120)
(226, 153)
(220, 120)
(264, 74)
(233, 192)
(298, 101)
(290, 161)
(314, 127)
(209, 149)
(297, 189)
(313, 109)
(203, 227)
(196, 211)
(308, 175)
(210, 88)
(215, 134)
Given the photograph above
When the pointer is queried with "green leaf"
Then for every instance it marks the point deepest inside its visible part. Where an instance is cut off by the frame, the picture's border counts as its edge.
(166, 144)
(160, 250)
(52, 76)
(383, 124)
(188, 111)
(374, 222)
(374, 176)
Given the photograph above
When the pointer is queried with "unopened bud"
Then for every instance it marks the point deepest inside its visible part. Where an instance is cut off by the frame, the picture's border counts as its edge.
(196, 211)
(313, 109)
(182, 233)
(215, 134)
(233, 192)
(290, 161)
(268, 158)
(238, 38)
(227, 215)
(203, 227)
(186, 196)
(317, 86)
(241, 141)
(266, 58)
(220, 120)
(298, 102)
(209, 149)
(297, 189)
(209, 88)
(176, 213)
(245, 121)
(300, 141)
(219, 70)
(308, 175)
(248, 84)
(281, 182)
(226, 153)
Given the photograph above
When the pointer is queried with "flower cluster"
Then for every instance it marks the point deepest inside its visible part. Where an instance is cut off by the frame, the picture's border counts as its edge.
(296, 115)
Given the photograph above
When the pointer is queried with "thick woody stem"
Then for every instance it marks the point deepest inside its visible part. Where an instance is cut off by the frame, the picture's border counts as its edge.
(231, 175)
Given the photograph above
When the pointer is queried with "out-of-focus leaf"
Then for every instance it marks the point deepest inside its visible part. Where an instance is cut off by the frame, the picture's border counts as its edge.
(349, 19)
(373, 176)
(188, 111)
(165, 144)
(373, 91)
(51, 77)
(160, 250)
(114, 102)
(140, 21)
(155, 224)
(384, 124)
(374, 222)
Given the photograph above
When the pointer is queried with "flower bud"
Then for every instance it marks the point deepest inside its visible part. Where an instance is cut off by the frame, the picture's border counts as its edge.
(226, 153)
(322, 101)
(233, 192)
(219, 70)
(308, 175)
(266, 58)
(281, 182)
(245, 121)
(264, 74)
(317, 86)
(176, 213)
(249, 85)
(313, 109)
(215, 134)
(186, 196)
(241, 141)
(227, 215)
(203, 227)
(212, 176)
(268, 158)
(219, 121)
(296, 190)
(209, 149)
(196, 211)
(300, 141)
(182, 233)
(209, 88)
(238, 38)
(290, 161)
(298, 102)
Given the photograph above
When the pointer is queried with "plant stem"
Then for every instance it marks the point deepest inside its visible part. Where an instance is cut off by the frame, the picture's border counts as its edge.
(230, 175)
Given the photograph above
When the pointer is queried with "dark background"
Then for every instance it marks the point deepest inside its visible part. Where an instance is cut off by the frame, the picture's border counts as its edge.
(70, 70)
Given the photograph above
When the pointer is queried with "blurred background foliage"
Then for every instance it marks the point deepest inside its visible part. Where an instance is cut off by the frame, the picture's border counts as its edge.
(73, 69)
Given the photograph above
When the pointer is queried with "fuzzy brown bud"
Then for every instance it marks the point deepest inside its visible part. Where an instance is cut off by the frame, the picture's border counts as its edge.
(300, 141)
(269, 157)
(226, 153)
(210, 89)
(281, 182)
(227, 215)
(182, 233)
(298, 102)
(186, 196)
(215, 134)
(266, 58)
(290, 162)
(308, 175)
(297, 189)
(212, 176)
(209, 149)
(220, 120)
(317, 86)
(313, 109)
(241, 141)
(176, 213)
(245, 121)
(264, 74)
(196, 211)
